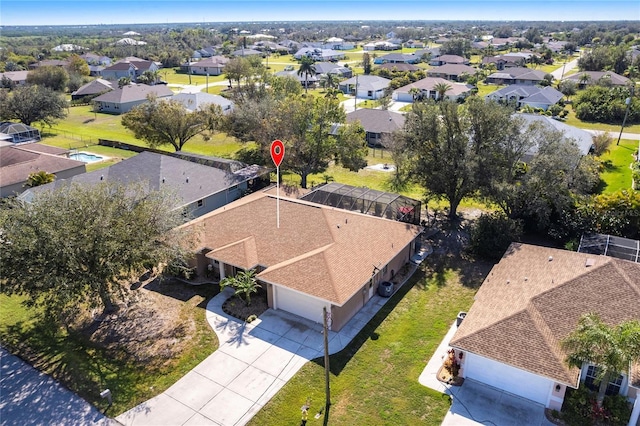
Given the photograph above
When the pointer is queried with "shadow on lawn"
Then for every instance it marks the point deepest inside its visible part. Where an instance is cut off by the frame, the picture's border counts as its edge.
(182, 291)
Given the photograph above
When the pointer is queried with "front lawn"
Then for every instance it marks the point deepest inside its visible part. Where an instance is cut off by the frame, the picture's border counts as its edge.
(615, 128)
(374, 380)
(616, 174)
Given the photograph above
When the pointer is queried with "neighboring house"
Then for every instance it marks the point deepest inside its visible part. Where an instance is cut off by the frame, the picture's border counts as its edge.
(92, 89)
(413, 44)
(505, 61)
(130, 68)
(397, 58)
(318, 54)
(130, 42)
(365, 86)
(517, 75)
(198, 100)
(67, 47)
(448, 59)
(399, 67)
(213, 65)
(337, 43)
(121, 100)
(309, 80)
(49, 63)
(523, 94)
(319, 257)
(452, 72)
(333, 68)
(246, 52)
(530, 301)
(378, 124)
(18, 78)
(426, 88)
(17, 133)
(18, 162)
(585, 78)
(96, 63)
(581, 137)
(381, 45)
(200, 188)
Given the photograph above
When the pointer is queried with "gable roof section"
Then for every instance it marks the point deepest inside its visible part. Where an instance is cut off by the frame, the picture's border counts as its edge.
(377, 120)
(452, 69)
(324, 252)
(94, 87)
(18, 162)
(583, 139)
(534, 297)
(399, 66)
(133, 92)
(594, 76)
(429, 83)
(519, 73)
(368, 82)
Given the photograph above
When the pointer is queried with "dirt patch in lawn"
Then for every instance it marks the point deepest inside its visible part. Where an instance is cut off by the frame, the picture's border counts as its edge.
(237, 308)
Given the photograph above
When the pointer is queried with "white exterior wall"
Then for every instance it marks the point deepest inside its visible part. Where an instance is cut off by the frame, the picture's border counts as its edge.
(508, 378)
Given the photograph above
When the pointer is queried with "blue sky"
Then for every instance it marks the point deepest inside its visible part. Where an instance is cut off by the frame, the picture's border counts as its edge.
(86, 12)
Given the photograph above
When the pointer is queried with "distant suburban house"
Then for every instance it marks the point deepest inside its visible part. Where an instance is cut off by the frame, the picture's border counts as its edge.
(92, 89)
(586, 78)
(18, 78)
(121, 100)
(333, 68)
(17, 133)
(398, 67)
(365, 86)
(397, 58)
(320, 257)
(505, 61)
(524, 94)
(200, 188)
(378, 124)
(246, 52)
(309, 80)
(198, 100)
(127, 41)
(96, 63)
(530, 301)
(381, 45)
(426, 90)
(337, 43)
(448, 59)
(213, 65)
(318, 54)
(414, 44)
(67, 47)
(49, 63)
(452, 72)
(582, 138)
(517, 75)
(18, 162)
(130, 68)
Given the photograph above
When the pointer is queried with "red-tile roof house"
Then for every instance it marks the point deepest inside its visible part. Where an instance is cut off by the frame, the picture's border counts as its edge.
(319, 256)
(530, 301)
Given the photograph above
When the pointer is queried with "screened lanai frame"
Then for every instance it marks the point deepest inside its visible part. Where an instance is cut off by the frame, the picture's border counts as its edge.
(368, 201)
(610, 245)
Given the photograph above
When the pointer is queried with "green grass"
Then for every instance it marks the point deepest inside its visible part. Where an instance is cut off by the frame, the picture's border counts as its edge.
(87, 369)
(616, 174)
(485, 89)
(572, 120)
(174, 76)
(374, 380)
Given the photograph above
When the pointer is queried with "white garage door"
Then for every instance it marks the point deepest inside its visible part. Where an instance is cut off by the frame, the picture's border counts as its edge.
(299, 304)
(403, 97)
(507, 378)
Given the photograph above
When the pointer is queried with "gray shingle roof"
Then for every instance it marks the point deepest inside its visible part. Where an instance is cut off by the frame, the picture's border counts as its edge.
(377, 120)
(134, 92)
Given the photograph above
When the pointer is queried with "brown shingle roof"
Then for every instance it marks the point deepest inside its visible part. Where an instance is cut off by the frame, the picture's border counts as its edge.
(16, 164)
(529, 303)
(324, 252)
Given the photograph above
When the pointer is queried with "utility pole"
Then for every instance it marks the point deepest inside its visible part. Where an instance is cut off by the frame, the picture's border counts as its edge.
(327, 389)
(626, 114)
(355, 95)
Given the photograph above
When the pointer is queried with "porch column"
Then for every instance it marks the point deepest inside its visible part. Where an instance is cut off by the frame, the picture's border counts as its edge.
(635, 414)
(221, 266)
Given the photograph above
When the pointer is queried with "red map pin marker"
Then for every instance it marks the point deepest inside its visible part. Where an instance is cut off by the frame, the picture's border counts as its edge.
(277, 152)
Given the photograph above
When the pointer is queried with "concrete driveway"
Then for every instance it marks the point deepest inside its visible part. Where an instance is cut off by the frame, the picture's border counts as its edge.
(251, 365)
(475, 403)
(29, 397)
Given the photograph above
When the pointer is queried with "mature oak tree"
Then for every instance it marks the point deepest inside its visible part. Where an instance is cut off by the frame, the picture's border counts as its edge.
(73, 246)
(32, 103)
(160, 122)
(53, 77)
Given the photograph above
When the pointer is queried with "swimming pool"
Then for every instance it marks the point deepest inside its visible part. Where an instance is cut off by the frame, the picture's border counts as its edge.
(85, 157)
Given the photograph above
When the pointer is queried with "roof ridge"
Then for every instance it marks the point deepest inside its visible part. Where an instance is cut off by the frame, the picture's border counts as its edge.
(616, 264)
(296, 259)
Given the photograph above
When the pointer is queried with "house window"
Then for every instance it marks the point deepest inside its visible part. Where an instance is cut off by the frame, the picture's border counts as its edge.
(613, 388)
(200, 203)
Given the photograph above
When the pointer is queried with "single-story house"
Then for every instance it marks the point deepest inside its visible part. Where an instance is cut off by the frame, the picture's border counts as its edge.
(505, 61)
(309, 80)
(18, 78)
(525, 94)
(581, 137)
(381, 45)
(127, 41)
(93, 88)
(365, 86)
(414, 44)
(18, 162)
(213, 65)
(377, 123)
(318, 54)
(17, 133)
(333, 68)
(200, 187)
(452, 72)
(517, 75)
(246, 52)
(530, 301)
(194, 101)
(121, 100)
(319, 256)
(585, 78)
(130, 68)
(397, 58)
(448, 59)
(426, 87)
(399, 67)
(49, 63)
(66, 47)
(94, 59)
(336, 43)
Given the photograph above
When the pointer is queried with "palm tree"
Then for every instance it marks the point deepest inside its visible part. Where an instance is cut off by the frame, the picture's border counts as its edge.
(307, 68)
(244, 283)
(584, 80)
(39, 178)
(329, 81)
(415, 93)
(149, 77)
(441, 89)
(611, 348)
